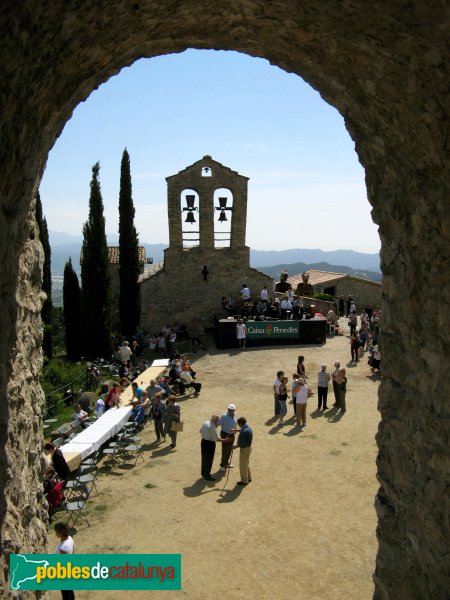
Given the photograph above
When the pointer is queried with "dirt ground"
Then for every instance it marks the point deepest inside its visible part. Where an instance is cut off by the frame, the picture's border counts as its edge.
(304, 528)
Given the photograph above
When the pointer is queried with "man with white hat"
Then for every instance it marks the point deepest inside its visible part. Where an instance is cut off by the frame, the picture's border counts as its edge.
(228, 425)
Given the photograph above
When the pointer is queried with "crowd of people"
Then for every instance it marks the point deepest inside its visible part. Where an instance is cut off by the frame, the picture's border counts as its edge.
(157, 403)
(300, 391)
(283, 306)
(162, 341)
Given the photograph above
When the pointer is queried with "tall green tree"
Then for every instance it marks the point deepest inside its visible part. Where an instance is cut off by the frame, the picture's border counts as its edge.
(95, 278)
(128, 253)
(72, 312)
(47, 307)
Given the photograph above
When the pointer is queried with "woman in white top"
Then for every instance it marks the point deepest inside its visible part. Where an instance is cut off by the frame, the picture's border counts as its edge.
(241, 333)
(301, 399)
(65, 546)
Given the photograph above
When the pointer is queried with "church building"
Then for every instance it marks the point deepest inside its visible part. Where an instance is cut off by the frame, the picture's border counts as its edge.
(207, 257)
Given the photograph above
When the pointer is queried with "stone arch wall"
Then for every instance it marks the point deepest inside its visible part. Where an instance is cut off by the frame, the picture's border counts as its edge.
(384, 66)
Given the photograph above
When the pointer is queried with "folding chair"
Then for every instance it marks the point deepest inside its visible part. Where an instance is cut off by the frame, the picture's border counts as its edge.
(91, 461)
(75, 511)
(133, 450)
(59, 442)
(113, 451)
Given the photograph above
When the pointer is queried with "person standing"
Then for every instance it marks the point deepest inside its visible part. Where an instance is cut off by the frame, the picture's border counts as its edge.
(301, 370)
(208, 431)
(276, 392)
(339, 386)
(65, 546)
(294, 386)
(301, 402)
(124, 353)
(245, 292)
(228, 426)
(323, 379)
(241, 333)
(354, 347)
(353, 321)
(173, 411)
(158, 414)
(282, 398)
(264, 295)
(244, 443)
(113, 397)
(334, 375)
(341, 306)
(348, 303)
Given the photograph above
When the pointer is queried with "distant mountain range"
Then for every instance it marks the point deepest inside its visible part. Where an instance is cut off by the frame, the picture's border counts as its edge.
(355, 260)
(271, 262)
(64, 245)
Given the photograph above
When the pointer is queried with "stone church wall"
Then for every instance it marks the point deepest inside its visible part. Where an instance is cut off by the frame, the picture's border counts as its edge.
(180, 294)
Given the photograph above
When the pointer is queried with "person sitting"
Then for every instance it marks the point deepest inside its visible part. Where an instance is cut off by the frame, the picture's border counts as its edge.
(164, 383)
(286, 308)
(226, 305)
(50, 479)
(175, 356)
(188, 381)
(274, 308)
(140, 403)
(186, 365)
(246, 308)
(81, 416)
(153, 389)
(174, 377)
(99, 407)
(55, 497)
(261, 308)
(331, 317)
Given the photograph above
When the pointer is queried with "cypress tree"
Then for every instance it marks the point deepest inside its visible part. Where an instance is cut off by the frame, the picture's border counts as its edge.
(47, 307)
(95, 278)
(72, 308)
(128, 253)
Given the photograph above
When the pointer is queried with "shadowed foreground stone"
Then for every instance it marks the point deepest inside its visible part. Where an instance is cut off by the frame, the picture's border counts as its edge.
(384, 66)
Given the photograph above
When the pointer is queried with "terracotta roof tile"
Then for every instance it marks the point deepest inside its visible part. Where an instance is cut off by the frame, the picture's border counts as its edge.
(114, 255)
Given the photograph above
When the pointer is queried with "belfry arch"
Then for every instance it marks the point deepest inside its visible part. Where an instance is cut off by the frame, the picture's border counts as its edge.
(384, 66)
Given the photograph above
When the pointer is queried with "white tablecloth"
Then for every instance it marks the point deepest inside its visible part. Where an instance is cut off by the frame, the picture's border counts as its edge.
(91, 438)
(160, 362)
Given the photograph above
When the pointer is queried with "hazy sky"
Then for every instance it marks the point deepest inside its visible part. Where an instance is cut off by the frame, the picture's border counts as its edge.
(306, 185)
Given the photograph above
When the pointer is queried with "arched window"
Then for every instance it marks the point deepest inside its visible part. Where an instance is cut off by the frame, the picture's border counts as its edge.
(206, 172)
(190, 218)
(223, 214)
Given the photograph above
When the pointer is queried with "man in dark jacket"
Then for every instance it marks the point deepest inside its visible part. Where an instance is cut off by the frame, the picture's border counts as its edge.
(244, 443)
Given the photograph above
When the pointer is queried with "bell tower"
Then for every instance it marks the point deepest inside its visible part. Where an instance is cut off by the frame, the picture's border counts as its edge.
(207, 257)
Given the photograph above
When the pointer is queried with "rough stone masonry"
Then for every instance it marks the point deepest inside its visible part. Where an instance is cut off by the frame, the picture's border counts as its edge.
(384, 66)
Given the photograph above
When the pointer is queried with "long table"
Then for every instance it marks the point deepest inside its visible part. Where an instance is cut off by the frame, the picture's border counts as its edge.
(109, 424)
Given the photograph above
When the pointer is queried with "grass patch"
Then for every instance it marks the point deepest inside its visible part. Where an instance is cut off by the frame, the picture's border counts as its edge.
(150, 486)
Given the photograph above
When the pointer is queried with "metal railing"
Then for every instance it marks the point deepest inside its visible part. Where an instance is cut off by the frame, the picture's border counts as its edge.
(67, 393)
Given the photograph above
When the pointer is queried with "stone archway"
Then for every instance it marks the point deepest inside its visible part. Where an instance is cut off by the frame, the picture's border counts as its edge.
(384, 67)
